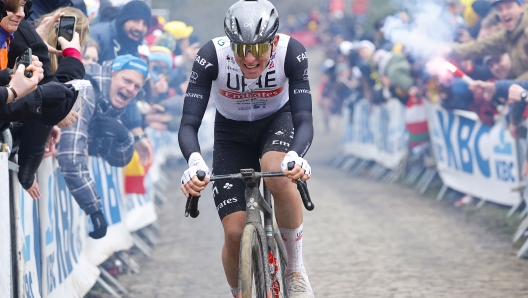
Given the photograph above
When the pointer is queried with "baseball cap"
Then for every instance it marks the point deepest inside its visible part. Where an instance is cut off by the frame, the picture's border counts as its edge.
(490, 58)
(130, 62)
(494, 2)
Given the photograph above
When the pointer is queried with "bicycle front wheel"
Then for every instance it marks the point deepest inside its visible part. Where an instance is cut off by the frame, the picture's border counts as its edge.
(252, 278)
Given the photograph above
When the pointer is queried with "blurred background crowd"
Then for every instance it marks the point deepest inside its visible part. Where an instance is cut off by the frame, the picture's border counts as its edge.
(464, 55)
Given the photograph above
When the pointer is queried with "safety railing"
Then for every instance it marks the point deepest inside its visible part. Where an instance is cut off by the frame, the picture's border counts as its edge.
(462, 153)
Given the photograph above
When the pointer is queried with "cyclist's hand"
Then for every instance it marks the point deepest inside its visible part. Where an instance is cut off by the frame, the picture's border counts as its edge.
(301, 170)
(190, 184)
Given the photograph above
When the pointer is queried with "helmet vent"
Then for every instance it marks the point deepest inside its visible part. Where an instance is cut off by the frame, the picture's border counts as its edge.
(257, 29)
(238, 27)
(272, 12)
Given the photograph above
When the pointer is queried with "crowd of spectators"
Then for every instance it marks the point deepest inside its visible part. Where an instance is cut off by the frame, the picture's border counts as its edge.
(486, 47)
(123, 70)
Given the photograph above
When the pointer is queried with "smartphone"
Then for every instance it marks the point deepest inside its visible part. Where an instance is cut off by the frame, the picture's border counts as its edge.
(66, 28)
(26, 60)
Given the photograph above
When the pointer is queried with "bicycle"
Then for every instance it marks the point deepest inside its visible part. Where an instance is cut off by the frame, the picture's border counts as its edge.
(260, 245)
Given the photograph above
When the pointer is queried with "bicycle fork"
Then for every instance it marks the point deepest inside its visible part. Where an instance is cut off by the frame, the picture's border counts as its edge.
(272, 249)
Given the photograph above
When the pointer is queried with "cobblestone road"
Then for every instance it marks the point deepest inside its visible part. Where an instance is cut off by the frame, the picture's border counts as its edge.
(364, 239)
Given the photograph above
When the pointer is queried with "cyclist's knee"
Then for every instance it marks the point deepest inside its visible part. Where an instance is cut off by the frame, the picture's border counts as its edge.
(279, 185)
(233, 227)
(233, 235)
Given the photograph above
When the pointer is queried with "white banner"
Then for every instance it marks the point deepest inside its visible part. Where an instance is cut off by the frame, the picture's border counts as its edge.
(376, 132)
(28, 242)
(5, 229)
(109, 183)
(474, 158)
(66, 271)
(141, 210)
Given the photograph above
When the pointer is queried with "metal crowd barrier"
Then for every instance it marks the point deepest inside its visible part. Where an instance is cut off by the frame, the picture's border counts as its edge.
(463, 154)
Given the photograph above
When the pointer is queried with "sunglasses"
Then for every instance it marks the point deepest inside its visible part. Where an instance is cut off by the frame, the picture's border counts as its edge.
(258, 50)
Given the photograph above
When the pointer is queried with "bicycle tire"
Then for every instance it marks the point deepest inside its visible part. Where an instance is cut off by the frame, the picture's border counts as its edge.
(252, 279)
(282, 262)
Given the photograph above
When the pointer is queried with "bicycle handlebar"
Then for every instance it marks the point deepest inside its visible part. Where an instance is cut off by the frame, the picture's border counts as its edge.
(302, 187)
(191, 207)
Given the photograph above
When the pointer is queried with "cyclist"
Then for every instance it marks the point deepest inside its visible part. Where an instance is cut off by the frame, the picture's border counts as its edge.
(259, 82)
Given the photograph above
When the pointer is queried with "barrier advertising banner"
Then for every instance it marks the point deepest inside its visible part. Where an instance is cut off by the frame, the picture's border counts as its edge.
(5, 229)
(474, 158)
(376, 132)
(109, 183)
(141, 210)
(28, 243)
(66, 271)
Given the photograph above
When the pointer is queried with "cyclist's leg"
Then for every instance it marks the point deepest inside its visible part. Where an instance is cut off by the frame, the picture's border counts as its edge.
(275, 143)
(235, 148)
(233, 227)
(288, 205)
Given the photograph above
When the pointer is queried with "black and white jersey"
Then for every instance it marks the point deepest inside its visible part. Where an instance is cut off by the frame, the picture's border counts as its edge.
(217, 76)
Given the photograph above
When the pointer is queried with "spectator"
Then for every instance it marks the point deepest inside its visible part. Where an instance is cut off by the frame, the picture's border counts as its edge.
(30, 138)
(515, 20)
(160, 63)
(115, 84)
(90, 52)
(186, 49)
(124, 34)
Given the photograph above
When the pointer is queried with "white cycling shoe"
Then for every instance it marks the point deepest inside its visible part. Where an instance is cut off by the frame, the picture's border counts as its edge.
(298, 285)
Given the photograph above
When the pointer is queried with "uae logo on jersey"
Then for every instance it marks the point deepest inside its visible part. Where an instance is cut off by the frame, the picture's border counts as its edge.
(230, 59)
(271, 65)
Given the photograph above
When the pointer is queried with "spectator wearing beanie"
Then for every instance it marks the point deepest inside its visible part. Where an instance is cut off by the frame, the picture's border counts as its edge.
(124, 34)
(160, 63)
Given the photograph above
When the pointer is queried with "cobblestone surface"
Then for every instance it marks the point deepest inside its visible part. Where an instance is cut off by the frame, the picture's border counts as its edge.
(364, 239)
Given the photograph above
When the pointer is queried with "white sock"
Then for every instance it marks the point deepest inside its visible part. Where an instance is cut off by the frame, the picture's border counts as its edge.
(293, 242)
(234, 291)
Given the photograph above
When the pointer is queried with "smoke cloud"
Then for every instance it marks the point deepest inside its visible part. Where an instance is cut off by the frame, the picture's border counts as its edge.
(428, 31)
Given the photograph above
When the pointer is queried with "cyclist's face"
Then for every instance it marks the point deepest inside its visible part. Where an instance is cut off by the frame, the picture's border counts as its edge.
(253, 67)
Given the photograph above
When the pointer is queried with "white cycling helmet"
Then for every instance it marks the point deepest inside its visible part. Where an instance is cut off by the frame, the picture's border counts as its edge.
(251, 22)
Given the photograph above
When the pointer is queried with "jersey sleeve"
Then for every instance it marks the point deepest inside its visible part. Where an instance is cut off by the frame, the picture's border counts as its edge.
(204, 72)
(296, 69)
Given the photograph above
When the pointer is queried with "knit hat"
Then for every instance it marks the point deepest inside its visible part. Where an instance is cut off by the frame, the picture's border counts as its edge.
(130, 62)
(162, 54)
(134, 10)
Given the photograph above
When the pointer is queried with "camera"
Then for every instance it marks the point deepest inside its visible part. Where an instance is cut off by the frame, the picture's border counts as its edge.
(26, 60)
(66, 29)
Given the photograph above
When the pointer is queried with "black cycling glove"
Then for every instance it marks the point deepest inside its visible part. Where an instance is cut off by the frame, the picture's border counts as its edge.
(104, 126)
(100, 225)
